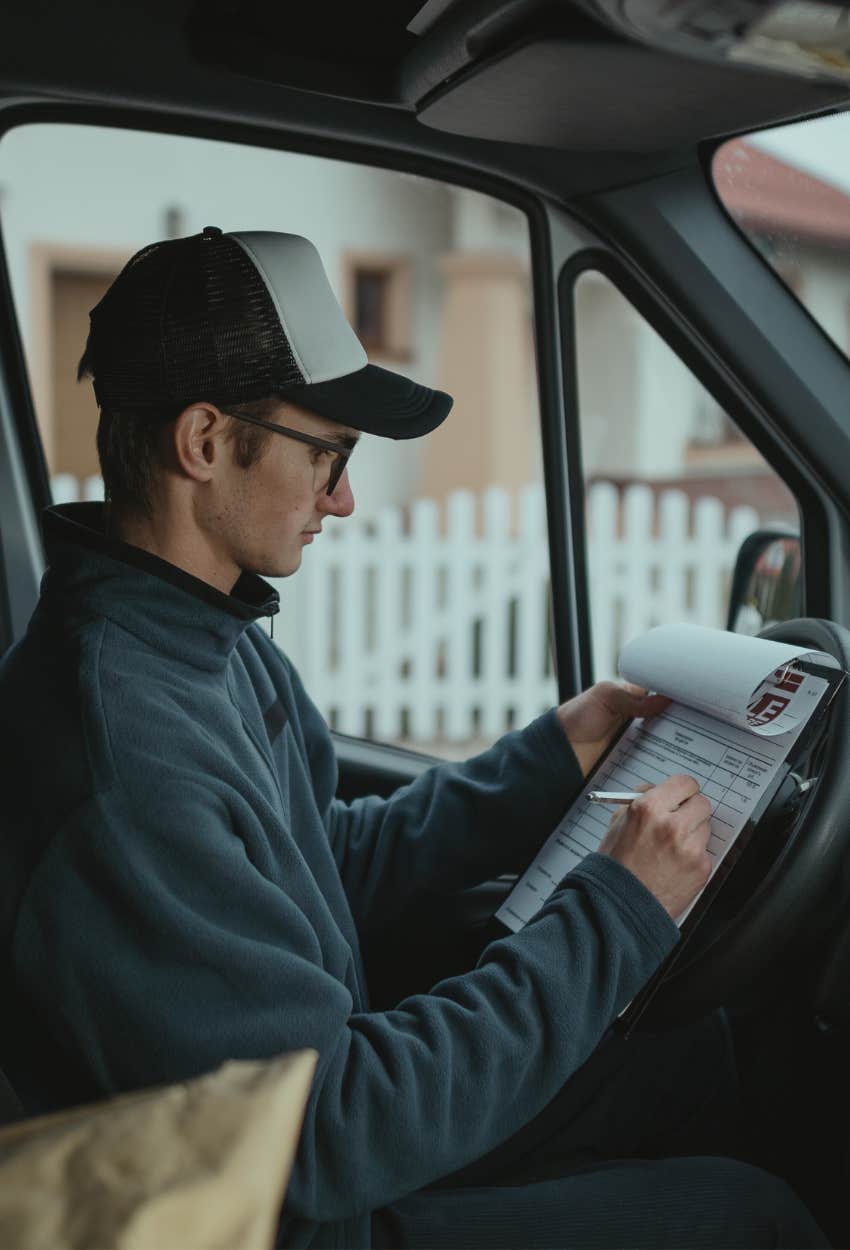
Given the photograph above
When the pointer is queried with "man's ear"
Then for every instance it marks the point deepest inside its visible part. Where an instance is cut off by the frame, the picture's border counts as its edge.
(198, 438)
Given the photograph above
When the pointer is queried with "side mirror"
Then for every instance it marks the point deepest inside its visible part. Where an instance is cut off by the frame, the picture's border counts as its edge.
(766, 583)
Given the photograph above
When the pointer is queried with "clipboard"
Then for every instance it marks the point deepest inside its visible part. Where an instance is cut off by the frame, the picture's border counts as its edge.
(787, 779)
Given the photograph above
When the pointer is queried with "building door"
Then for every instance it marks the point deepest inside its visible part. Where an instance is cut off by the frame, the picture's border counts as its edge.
(73, 295)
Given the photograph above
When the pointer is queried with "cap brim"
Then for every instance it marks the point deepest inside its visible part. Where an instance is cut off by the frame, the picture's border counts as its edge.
(376, 401)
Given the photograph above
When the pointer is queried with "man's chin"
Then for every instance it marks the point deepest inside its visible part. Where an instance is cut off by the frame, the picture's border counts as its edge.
(277, 565)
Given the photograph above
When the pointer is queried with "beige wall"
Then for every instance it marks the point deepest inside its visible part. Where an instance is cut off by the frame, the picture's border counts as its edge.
(486, 357)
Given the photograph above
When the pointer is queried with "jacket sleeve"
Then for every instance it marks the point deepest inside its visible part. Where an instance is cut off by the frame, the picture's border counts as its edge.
(454, 826)
(457, 824)
(158, 952)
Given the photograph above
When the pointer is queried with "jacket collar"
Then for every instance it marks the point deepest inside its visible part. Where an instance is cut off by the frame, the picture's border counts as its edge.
(91, 574)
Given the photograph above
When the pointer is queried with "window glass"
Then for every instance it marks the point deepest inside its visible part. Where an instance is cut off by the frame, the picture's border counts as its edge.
(423, 618)
(672, 485)
(788, 189)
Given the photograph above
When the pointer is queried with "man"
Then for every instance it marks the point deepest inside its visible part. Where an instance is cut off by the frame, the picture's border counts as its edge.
(183, 886)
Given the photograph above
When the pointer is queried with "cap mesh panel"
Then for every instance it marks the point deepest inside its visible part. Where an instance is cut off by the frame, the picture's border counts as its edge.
(125, 339)
(189, 319)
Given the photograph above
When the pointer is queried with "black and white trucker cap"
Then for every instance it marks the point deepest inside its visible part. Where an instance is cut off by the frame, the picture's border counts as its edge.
(233, 317)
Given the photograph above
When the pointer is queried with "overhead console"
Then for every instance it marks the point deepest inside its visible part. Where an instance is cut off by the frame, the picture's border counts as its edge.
(556, 74)
(608, 75)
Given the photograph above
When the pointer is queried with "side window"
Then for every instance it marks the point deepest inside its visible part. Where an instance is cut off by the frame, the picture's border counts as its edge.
(423, 618)
(672, 486)
(786, 191)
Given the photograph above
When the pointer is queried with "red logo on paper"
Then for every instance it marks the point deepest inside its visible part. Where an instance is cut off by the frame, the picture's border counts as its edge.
(787, 679)
(767, 709)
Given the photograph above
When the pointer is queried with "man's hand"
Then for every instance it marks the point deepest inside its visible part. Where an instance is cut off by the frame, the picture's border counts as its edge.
(662, 839)
(592, 718)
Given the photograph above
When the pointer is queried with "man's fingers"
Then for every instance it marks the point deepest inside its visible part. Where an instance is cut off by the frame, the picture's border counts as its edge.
(698, 841)
(673, 792)
(697, 811)
(652, 705)
(620, 696)
(662, 837)
(627, 699)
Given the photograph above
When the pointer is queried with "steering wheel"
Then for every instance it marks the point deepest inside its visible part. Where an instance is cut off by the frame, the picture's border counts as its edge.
(795, 861)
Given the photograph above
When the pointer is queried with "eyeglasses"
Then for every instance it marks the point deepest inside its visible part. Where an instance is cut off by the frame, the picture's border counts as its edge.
(341, 454)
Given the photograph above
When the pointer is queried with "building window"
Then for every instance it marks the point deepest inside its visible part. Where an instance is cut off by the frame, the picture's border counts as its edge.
(371, 311)
(378, 303)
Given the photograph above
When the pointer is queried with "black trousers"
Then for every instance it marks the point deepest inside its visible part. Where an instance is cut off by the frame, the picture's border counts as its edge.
(629, 1154)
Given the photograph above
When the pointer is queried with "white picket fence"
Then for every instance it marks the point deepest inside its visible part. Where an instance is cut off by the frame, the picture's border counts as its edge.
(657, 559)
(438, 629)
(440, 632)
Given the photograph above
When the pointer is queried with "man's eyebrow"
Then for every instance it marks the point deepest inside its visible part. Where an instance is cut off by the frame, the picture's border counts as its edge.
(349, 441)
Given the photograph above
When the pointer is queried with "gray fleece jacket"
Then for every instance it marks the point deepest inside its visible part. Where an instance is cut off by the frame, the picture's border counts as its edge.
(181, 887)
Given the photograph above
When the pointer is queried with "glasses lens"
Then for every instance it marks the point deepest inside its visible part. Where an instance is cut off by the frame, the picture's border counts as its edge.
(337, 469)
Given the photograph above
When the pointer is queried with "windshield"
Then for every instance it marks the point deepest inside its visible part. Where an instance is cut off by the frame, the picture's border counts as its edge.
(789, 191)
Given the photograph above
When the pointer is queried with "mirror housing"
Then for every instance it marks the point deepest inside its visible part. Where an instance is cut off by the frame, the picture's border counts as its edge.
(766, 582)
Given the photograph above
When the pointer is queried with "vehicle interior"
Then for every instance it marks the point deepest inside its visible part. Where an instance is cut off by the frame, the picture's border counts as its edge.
(600, 123)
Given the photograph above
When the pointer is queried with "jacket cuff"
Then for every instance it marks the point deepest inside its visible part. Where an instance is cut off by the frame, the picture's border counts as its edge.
(551, 745)
(641, 906)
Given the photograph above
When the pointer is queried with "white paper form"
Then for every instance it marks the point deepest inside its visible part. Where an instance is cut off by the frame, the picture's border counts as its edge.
(733, 765)
(746, 681)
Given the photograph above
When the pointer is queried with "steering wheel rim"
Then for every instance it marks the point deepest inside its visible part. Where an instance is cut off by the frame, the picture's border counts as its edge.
(797, 881)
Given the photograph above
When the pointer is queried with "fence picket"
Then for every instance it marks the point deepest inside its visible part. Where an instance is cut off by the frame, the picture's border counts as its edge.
(743, 521)
(388, 656)
(709, 525)
(65, 488)
(352, 695)
(423, 593)
(533, 690)
(674, 551)
(636, 545)
(602, 565)
(459, 640)
(497, 550)
(312, 587)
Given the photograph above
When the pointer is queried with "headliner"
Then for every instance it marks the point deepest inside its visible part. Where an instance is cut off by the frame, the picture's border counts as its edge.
(545, 85)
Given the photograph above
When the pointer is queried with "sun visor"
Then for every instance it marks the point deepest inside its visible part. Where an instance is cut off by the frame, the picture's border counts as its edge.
(555, 92)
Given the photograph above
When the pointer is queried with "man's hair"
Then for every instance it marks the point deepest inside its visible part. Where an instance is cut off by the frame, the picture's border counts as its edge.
(128, 445)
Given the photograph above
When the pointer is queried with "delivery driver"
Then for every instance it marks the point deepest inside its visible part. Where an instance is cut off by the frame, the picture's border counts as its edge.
(183, 887)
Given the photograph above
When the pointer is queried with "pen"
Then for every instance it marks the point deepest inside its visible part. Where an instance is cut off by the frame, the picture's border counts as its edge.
(613, 796)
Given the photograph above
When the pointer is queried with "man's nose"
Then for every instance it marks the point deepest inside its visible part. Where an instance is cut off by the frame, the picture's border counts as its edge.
(341, 502)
